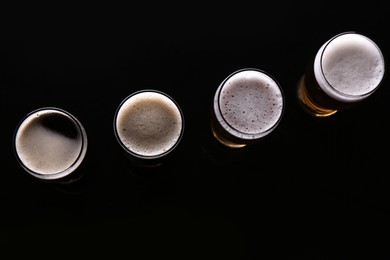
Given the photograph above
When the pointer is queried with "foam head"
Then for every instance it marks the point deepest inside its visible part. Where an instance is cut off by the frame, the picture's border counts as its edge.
(50, 143)
(349, 67)
(148, 124)
(249, 104)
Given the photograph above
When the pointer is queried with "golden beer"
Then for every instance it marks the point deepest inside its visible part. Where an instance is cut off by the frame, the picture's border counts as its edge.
(247, 106)
(346, 70)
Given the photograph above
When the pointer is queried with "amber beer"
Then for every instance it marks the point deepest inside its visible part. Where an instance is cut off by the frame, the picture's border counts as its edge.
(247, 106)
(346, 70)
(148, 125)
(50, 144)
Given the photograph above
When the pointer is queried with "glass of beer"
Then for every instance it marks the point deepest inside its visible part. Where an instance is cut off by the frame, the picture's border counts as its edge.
(148, 125)
(50, 144)
(248, 105)
(346, 70)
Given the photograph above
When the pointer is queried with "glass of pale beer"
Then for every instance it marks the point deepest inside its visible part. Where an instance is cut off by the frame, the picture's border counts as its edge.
(346, 70)
(50, 144)
(148, 125)
(247, 106)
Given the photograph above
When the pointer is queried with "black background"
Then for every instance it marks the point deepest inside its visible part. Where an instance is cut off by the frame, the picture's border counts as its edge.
(314, 189)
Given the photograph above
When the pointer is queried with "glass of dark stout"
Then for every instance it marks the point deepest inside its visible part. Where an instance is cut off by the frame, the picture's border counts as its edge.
(148, 125)
(50, 144)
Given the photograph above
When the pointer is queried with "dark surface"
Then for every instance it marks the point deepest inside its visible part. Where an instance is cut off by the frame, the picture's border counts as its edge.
(315, 189)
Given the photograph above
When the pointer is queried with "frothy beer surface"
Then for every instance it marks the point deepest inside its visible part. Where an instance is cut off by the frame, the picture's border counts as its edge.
(48, 142)
(350, 67)
(149, 123)
(248, 104)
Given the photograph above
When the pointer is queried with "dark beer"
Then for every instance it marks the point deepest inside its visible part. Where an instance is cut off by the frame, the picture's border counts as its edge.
(148, 125)
(50, 143)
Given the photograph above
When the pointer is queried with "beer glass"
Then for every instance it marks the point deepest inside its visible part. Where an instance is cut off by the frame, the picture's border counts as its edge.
(346, 70)
(248, 105)
(148, 125)
(50, 144)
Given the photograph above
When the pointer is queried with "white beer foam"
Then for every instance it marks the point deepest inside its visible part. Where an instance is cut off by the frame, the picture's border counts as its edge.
(250, 104)
(45, 151)
(352, 65)
(149, 124)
